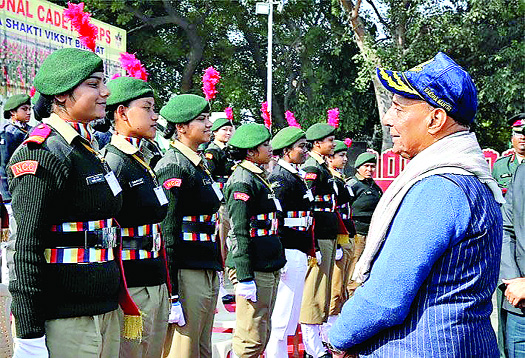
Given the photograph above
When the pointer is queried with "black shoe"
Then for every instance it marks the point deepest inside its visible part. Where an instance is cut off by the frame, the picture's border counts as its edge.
(306, 355)
(228, 299)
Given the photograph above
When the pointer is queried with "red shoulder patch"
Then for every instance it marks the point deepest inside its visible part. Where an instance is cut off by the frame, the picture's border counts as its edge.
(25, 167)
(208, 155)
(310, 176)
(170, 183)
(241, 196)
(39, 134)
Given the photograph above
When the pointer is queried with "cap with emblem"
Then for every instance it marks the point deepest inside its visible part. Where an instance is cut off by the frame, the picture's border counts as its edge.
(124, 89)
(319, 131)
(441, 82)
(517, 122)
(364, 158)
(249, 135)
(65, 69)
(340, 146)
(219, 123)
(14, 102)
(183, 108)
(287, 137)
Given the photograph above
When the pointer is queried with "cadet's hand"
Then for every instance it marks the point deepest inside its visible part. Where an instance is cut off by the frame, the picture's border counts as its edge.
(319, 257)
(515, 291)
(176, 314)
(247, 290)
(284, 270)
(338, 254)
(31, 347)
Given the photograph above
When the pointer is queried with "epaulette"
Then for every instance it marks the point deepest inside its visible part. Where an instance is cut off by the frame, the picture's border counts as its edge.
(39, 134)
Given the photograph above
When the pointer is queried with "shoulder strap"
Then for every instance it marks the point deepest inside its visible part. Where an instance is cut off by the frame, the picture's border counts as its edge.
(39, 134)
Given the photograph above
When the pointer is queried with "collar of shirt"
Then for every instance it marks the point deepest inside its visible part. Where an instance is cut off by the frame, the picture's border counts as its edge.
(219, 144)
(519, 158)
(187, 152)
(335, 173)
(22, 125)
(63, 128)
(246, 164)
(317, 157)
(359, 176)
(287, 166)
(120, 142)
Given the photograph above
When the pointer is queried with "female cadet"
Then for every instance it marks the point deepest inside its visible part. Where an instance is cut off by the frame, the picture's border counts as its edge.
(255, 252)
(144, 206)
(66, 284)
(190, 227)
(220, 166)
(295, 233)
(316, 295)
(344, 252)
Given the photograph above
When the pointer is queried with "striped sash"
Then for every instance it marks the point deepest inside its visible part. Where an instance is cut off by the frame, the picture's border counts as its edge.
(77, 255)
(128, 254)
(269, 220)
(82, 226)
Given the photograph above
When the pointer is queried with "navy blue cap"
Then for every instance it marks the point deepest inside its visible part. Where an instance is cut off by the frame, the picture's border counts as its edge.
(440, 82)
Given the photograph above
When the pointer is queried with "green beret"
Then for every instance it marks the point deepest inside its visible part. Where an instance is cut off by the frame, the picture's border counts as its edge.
(319, 131)
(124, 89)
(65, 69)
(14, 102)
(249, 135)
(364, 158)
(219, 123)
(183, 108)
(287, 137)
(339, 146)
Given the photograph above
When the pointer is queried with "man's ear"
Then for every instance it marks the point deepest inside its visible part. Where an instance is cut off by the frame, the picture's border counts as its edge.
(121, 111)
(181, 127)
(61, 98)
(437, 120)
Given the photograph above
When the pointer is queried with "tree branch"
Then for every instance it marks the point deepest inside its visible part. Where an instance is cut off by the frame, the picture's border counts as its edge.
(381, 20)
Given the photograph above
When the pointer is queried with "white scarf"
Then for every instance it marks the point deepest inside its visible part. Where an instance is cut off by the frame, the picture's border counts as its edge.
(458, 153)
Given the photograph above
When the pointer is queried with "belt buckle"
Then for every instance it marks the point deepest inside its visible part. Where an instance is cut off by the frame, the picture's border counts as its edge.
(156, 241)
(107, 237)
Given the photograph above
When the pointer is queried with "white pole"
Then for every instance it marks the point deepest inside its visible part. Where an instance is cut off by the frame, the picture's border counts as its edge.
(269, 69)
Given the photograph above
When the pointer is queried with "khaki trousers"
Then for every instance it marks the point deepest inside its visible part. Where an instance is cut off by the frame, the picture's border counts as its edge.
(84, 337)
(198, 291)
(340, 279)
(253, 325)
(154, 305)
(360, 241)
(317, 287)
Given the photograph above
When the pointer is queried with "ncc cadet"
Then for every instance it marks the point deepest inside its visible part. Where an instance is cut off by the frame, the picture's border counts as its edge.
(220, 166)
(66, 279)
(366, 196)
(17, 111)
(344, 252)
(255, 252)
(131, 107)
(295, 232)
(190, 228)
(316, 296)
(505, 167)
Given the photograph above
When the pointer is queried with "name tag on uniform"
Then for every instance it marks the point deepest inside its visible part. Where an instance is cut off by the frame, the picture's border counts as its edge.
(161, 197)
(309, 195)
(94, 179)
(113, 183)
(136, 182)
(217, 190)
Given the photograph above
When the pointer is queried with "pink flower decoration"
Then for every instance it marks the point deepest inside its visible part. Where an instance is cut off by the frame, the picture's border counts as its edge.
(32, 91)
(229, 113)
(266, 115)
(209, 81)
(116, 75)
(333, 117)
(290, 118)
(132, 65)
(80, 21)
(348, 142)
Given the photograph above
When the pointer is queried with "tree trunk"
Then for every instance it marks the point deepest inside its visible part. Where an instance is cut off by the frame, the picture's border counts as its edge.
(194, 57)
(383, 98)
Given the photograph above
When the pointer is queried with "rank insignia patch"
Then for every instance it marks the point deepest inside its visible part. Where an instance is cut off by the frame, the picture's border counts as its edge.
(25, 167)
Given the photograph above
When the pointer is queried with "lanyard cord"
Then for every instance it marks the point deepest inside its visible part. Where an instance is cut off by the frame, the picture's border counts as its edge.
(148, 168)
(98, 155)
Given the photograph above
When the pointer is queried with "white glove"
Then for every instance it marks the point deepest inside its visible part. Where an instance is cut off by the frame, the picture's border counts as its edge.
(8, 208)
(176, 314)
(31, 347)
(247, 290)
(319, 257)
(284, 270)
(338, 254)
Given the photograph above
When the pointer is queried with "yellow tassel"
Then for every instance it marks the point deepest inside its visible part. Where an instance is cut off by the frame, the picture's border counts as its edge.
(312, 261)
(343, 239)
(132, 327)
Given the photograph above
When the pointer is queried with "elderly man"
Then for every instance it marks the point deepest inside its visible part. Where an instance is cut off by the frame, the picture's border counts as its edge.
(431, 261)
